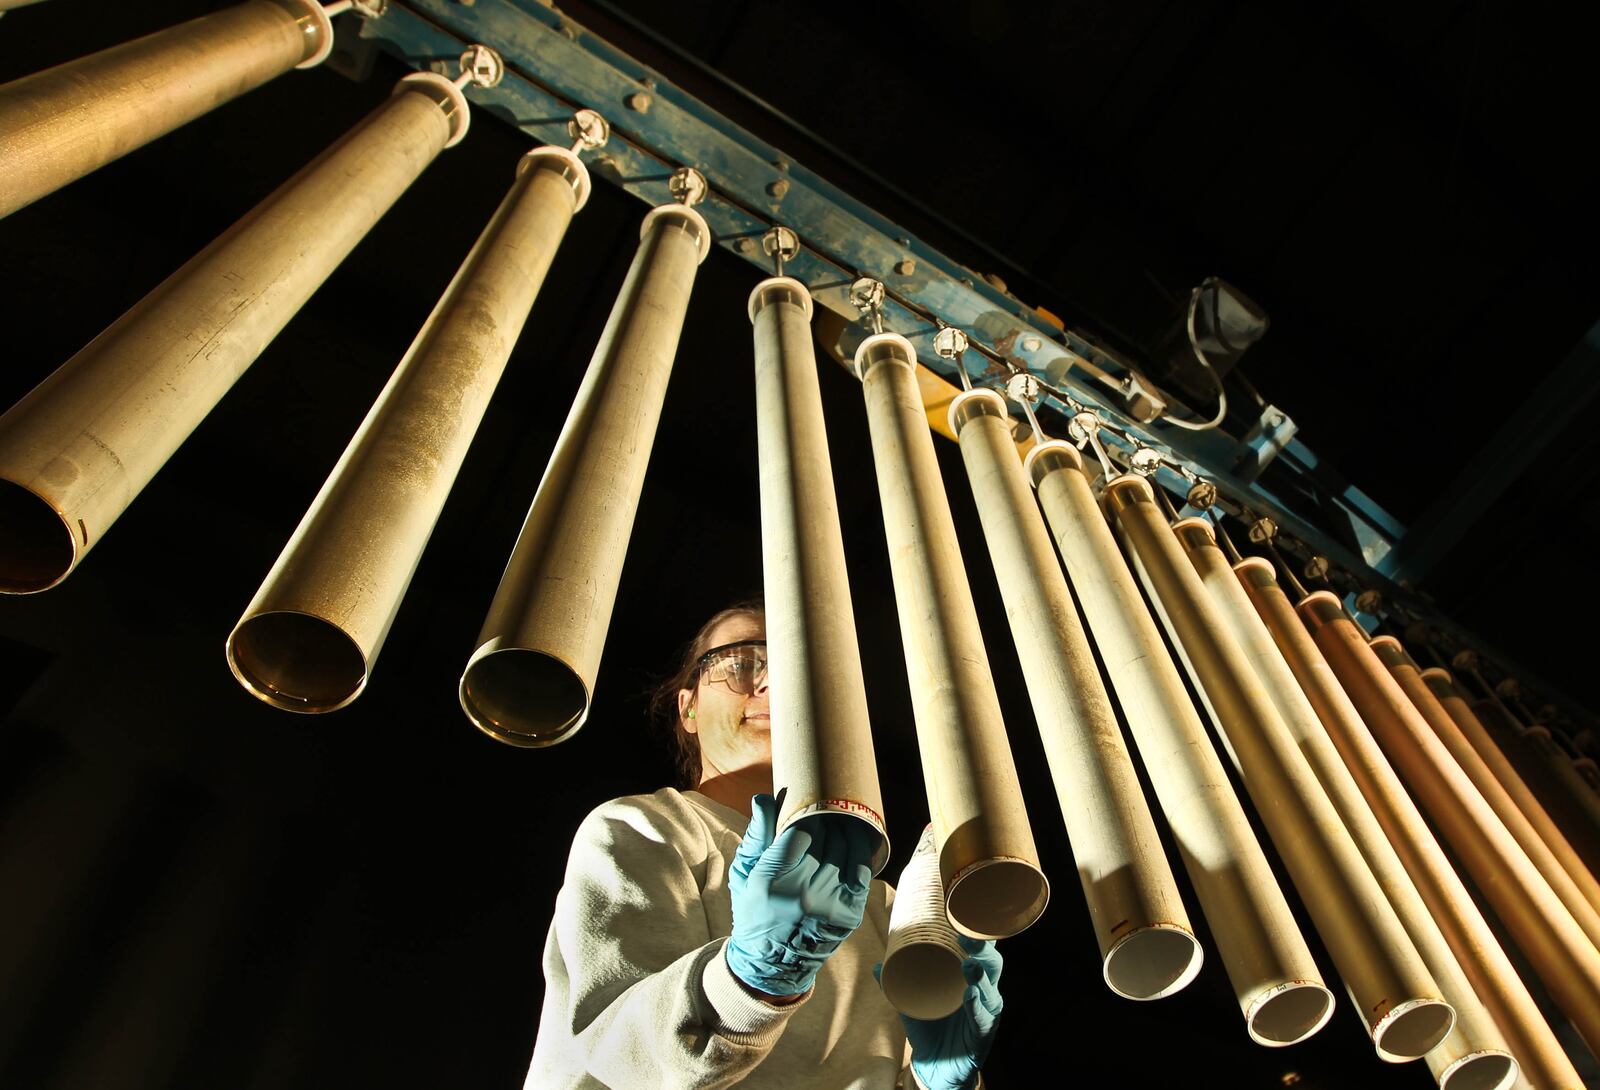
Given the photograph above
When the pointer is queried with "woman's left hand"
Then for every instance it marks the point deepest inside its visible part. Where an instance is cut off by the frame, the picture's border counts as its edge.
(947, 1052)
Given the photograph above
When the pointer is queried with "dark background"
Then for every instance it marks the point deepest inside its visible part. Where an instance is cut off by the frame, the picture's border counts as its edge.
(199, 891)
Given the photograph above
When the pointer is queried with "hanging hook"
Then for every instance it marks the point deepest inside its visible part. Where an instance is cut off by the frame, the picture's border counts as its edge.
(588, 131)
(687, 186)
(481, 67)
(1085, 431)
(950, 343)
(780, 244)
(866, 295)
(1024, 389)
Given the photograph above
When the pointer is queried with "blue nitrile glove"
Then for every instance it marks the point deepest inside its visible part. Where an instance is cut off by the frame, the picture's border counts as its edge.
(796, 898)
(947, 1052)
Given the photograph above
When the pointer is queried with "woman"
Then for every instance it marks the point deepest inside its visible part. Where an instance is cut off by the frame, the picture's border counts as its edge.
(693, 948)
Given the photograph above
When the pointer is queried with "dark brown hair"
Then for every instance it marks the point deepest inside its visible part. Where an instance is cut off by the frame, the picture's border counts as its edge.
(664, 697)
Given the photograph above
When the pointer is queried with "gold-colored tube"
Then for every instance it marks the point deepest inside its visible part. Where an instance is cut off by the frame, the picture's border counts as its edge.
(1511, 818)
(1475, 1053)
(1275, 980)
(1541, 925)
(77, 449)
(531, 679)
(1546, 768)
(1147, 946)
(1397, 999)
(822, 750)
(987, 858)
(1495, 769)
(70, 120)
(1472, 945)
(309, 639)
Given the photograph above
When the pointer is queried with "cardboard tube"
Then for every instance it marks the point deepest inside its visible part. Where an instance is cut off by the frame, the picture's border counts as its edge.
(1511, 819)
(821, 737)
(987, 859)
(1475, 1053)
(1498, 779)
(70, 120)
(1541, 925)
(1547, 769)
(531, 679)
(922, 957)
(310, 638)
(1275, 980)
(1398, 1000)
(1147, 946)
(77, 450)
(1491, 983)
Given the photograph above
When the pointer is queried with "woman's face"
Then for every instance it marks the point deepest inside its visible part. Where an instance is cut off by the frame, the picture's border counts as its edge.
(734, 729)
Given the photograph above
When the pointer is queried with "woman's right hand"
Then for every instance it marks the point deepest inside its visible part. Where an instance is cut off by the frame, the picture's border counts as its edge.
(796, 896)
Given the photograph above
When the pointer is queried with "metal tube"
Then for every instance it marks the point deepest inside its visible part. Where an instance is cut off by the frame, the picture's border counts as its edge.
(77, 449)
(70, 120)
(1512, 819)
(1396, 997)
(309, 639)
(1477, 977)
(531, 679)
(1552, 940)
(1277, 983)
(1147, 946)
(987, 859)
(821, 735)
(1474, 1042)
(1486, 762)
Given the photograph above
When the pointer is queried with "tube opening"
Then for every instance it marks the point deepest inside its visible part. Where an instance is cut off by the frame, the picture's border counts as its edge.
(1289, 1013)
(1412, 1029)
(923, 980)
(296, 661)
(37, 548)
(1153, 962)
(1480, 1071)
(996, 899)
(524, 697)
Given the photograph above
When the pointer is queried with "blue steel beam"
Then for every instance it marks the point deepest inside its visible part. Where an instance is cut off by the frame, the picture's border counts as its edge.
(555, 66)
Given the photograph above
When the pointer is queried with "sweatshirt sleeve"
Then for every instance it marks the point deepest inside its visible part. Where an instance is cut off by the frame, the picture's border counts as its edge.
(637, 990)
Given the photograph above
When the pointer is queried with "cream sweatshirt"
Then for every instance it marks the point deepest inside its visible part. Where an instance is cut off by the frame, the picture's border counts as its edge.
(638, 995)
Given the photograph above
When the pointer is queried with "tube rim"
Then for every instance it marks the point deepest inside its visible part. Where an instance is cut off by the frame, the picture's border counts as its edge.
(1057, 445)
(1250, 563)
(702, 232)
(1446, 1077)
(1184, 977)
(1270, 997)
(313, 10)
(461, 119)
(278, 697)
(1402, 1012)
(580, 186)
(480, 717)
(756, 301)
(908, 355)
(40, 514)
(965, 397)
(1029, 915)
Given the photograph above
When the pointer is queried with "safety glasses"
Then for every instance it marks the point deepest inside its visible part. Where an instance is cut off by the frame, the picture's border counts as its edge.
(740, 666)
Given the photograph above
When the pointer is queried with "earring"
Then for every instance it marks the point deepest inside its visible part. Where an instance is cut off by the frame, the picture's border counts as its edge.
(691, 713)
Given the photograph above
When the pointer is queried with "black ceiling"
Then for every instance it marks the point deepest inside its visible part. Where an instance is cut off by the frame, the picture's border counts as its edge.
(203, 892)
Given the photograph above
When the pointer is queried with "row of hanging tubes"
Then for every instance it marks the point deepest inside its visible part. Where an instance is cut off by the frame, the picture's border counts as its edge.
(991, 886)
